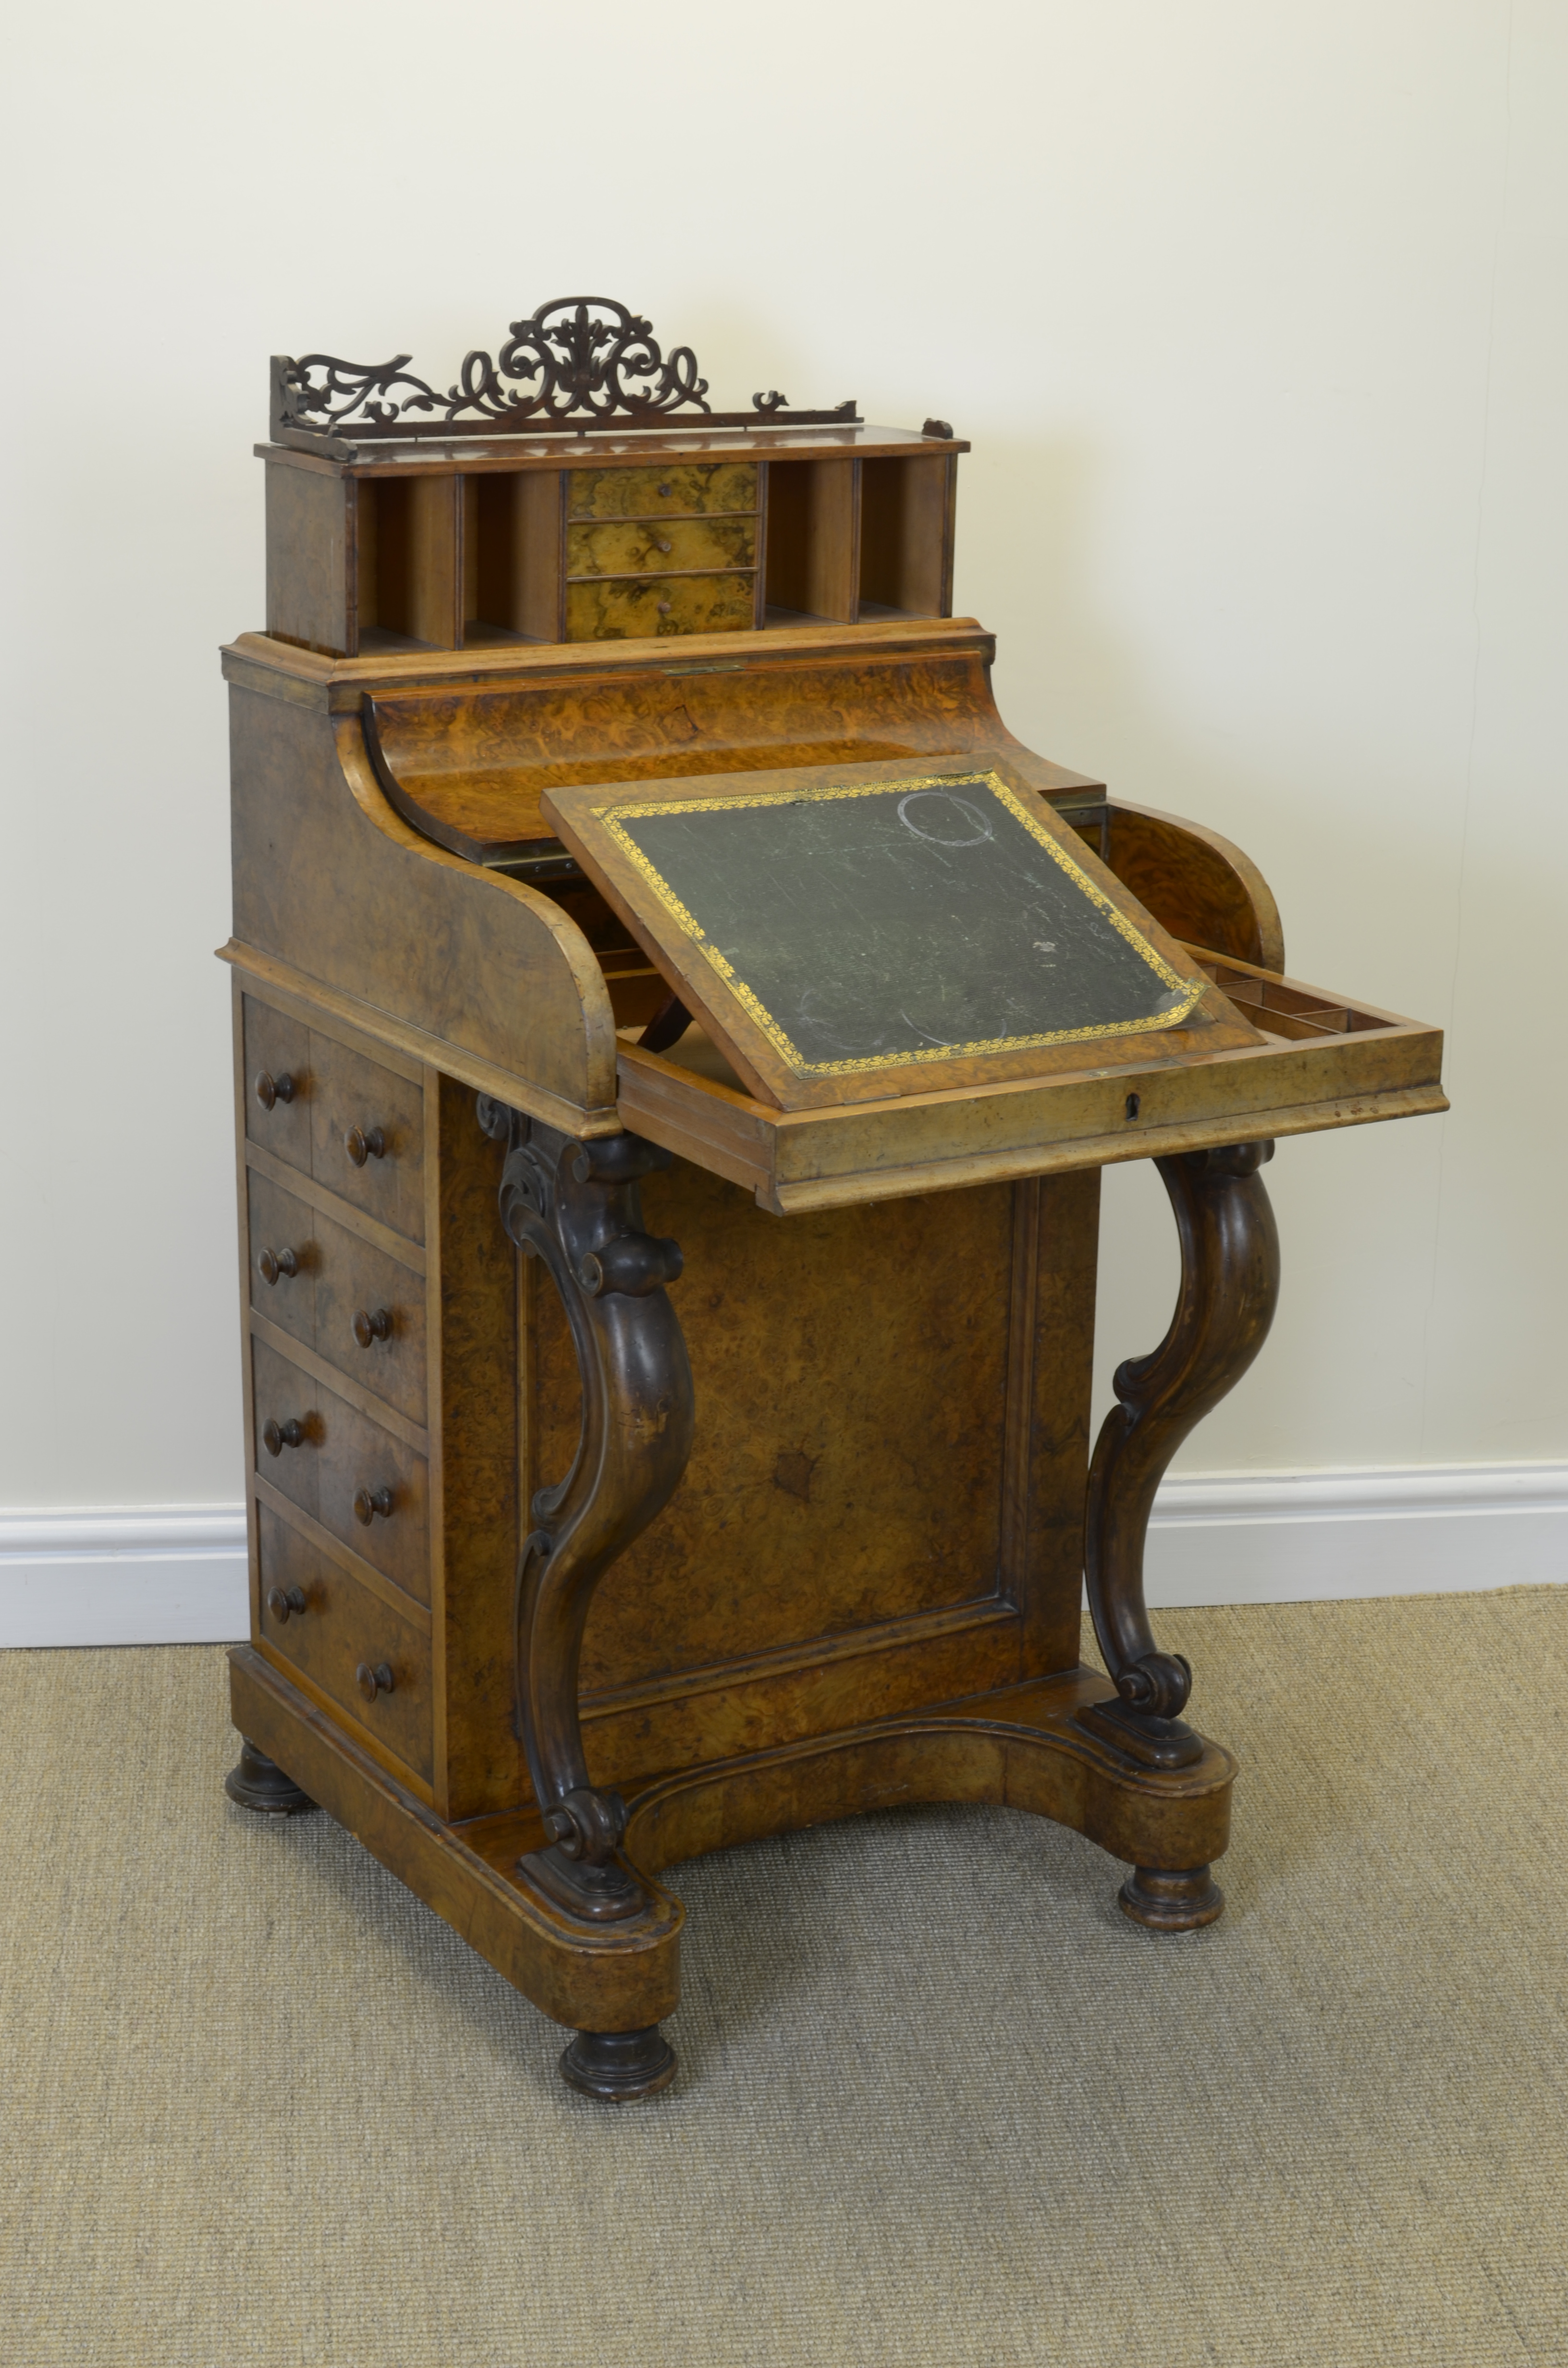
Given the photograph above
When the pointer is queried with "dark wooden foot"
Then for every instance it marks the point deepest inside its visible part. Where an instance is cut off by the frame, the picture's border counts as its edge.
(577, 1206)
(258, 1782)
(1229, 1283)
(619, 2066)
(1168, 1902)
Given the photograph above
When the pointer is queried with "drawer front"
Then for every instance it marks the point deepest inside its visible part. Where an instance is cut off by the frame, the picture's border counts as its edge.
(694, 487)
(623, 607)
(374, 1495)
(284, 1396)
(276, 1083)
(660, 546)
(342, 1628)
(354, 1477)
(282, 1237)
(361, 1310)
(368, 1136)
(370, 1318)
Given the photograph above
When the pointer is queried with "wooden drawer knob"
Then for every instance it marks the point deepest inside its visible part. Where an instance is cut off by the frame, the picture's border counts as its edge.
(271, 1089)
(284, 1602)
(664, 608)
(273, 1263)
(277, 1436)
(660, 544)
(664, 492)
(360, 1146)
(371, 1502)
(371, 1325)
(372, 1681)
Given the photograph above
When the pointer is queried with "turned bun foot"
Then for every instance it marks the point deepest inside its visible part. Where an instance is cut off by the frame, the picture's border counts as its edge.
(621, 2066)
(1171, 1902)
(258, 1782)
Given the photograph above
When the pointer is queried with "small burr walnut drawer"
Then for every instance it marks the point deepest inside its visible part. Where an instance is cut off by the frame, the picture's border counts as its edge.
(349, 1642)
(361, 1309)
(691, 489)
(369, 1488)
(637, 608)
(659, 546)
(354, 1124)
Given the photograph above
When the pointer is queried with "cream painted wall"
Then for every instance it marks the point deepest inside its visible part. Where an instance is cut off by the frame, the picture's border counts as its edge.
(1255, 317)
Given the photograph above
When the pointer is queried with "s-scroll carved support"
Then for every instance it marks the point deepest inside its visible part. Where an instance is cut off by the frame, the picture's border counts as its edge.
(577, 1206)
(1229, 1283)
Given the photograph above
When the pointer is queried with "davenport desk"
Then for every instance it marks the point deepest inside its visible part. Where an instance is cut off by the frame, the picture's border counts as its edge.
(678, 1030)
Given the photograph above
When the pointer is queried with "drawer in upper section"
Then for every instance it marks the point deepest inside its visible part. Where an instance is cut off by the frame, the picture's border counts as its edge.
(693, 489)
(659, 546)
(638, 608)
(370, 1489)
(361, 1309)
(332, 1112)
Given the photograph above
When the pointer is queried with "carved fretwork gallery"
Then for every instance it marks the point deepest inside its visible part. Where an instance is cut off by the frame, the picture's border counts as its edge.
(678, 1034)
(582, 360)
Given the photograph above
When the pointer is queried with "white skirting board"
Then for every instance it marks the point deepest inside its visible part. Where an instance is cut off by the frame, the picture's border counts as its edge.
(175, 1573)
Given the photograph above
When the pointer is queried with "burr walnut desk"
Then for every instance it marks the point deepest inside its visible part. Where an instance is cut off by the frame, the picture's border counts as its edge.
(678, 1030)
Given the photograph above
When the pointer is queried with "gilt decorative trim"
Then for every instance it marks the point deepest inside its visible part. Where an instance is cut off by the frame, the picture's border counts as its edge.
(578, 363)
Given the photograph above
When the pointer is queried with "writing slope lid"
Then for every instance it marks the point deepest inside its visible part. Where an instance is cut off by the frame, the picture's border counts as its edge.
(848, 933)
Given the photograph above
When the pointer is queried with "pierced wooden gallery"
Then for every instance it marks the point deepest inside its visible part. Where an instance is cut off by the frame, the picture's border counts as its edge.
(678, 1030)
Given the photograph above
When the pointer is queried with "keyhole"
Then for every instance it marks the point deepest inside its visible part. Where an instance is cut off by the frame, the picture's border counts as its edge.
(1132, 1105)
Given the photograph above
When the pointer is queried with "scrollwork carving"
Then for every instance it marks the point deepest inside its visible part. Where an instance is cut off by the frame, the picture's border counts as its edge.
(1229, 1283)
(581, 360)
(577, 1206)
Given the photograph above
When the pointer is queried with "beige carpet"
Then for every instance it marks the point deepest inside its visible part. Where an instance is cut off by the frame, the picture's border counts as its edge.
(939, 2102)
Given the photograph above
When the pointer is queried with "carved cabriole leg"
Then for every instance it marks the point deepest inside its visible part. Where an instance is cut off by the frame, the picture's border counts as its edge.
(1229, 1283)
(576, 1205)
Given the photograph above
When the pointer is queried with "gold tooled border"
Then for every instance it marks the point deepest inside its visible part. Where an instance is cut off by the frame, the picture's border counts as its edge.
(613, 816)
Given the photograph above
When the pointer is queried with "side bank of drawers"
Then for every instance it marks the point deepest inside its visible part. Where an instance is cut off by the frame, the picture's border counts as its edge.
(334, 1263)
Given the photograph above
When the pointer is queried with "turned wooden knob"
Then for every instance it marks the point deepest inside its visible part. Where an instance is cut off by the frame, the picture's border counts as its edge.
(282, 1602)
(273, 1263)
(660, 544)
(271, 1089)
(371, 1325)
(371, 1502)
(277, 1436)
(360, 1146)
(664, 608)
(662, 492)
(373, 1681)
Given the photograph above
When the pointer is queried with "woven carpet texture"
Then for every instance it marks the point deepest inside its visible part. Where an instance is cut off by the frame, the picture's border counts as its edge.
(939, 2102)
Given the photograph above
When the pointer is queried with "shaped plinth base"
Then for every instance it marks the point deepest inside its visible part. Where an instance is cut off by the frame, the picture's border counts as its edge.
(258, 1784)
(619, 2066)
(1171, 1902)
(613, 1982)
(600, 1894)
(1152, 1742)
